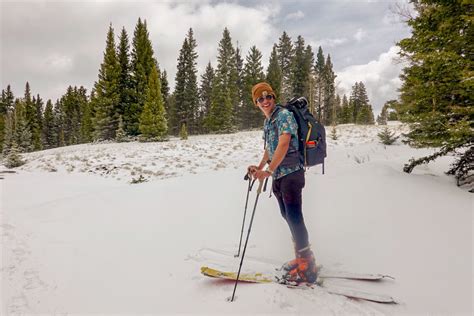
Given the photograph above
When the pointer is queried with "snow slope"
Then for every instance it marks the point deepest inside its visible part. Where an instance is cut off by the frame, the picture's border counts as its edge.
(78, 238)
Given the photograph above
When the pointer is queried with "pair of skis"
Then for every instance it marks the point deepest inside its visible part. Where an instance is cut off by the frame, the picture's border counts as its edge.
(347, 292)
(222, 259)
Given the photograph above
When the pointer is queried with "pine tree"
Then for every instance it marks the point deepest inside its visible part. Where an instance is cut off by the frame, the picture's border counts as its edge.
(347, 111)
(192, 95)
(285, 59)
(311, 84)
(354, 102)
(3, 117)
(6, 106)
(22, 132)
(165, 87)
(205, 95)
(383, 116)
(180, 111)
(58, 132)
(14, 159)
(171, 115)
(338, 112)
(253, 74)
(319, 81)
(80, 101)
(371, 116)
(142, 62)
(359, 102)
(72, 104)
(31, 122)
(27, 99)
(59, 119)
(7, 100)
(362, 96)
(301, 68)
(238, 103)
(436, 94)
(153, 125)
(49, 133)
(393, 107)
(329, 93)
(183, 134)
(125, 77)
(165, 93)
(37, 130)
(87, 127)
(83, 102)
(234, 86)
(365, 115)
(224, 92)
(186, 90)
(274, 75)
(334, 135)
(8, 133)
(107, 96)
(387, 137)
(120, 135)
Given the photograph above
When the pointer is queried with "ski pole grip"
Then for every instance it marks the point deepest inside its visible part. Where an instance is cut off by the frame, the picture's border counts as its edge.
(260, 186)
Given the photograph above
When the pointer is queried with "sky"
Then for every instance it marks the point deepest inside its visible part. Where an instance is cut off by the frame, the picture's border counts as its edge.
(54, 44)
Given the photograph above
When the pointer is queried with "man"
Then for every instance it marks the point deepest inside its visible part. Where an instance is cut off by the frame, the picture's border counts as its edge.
(285, 166)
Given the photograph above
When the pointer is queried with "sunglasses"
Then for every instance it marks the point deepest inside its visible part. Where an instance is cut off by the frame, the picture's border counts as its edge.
(268, 97)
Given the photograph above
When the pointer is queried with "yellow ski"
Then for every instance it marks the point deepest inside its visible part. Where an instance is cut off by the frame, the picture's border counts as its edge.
(244, 277)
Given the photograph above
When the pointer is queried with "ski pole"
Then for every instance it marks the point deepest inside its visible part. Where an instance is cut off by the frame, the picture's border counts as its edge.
(259, 190)
(245, 210)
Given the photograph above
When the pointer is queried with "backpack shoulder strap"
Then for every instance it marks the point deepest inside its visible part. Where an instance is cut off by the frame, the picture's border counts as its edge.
(275, 113)
(272, 118)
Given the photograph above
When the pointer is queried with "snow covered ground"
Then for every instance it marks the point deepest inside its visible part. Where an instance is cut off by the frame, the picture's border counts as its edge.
(78, 238)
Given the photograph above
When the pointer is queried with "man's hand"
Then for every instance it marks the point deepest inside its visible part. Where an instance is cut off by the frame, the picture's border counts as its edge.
(251, 170)
(261, 175)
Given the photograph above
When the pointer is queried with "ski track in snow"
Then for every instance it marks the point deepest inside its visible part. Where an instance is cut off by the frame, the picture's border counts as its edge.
(20, 275)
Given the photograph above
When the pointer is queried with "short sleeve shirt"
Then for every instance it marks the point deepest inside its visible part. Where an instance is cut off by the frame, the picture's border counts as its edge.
(285, 123)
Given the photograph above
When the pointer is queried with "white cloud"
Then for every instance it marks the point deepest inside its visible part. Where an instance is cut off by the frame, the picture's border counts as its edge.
(380, 77)
(59, 63)
(74, 50)
(295, 15)
(390, 18)
(360, 34)
(328, 42)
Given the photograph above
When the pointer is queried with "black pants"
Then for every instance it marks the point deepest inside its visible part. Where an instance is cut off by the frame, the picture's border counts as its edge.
(288, 190)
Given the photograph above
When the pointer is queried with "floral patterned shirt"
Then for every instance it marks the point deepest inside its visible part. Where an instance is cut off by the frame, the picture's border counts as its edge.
(283, 122)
